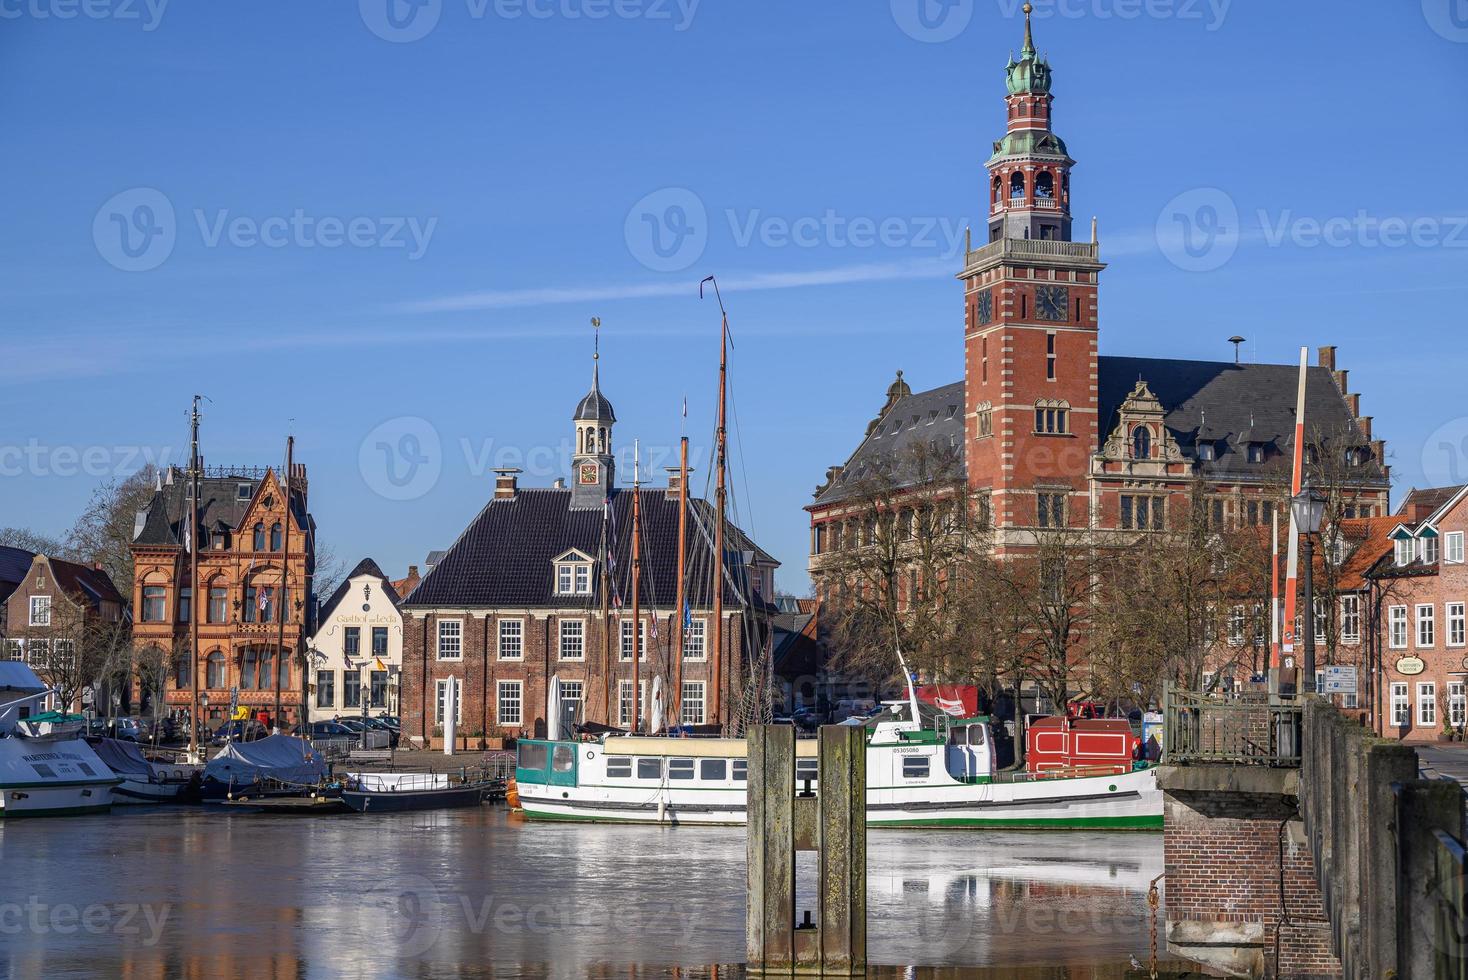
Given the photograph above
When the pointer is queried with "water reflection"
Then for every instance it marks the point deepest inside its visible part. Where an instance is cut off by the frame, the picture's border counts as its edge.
(193, 893)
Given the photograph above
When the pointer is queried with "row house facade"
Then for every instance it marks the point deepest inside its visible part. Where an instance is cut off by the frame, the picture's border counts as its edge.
(538, 588)
(65, 620)
(356, 653)
(256, 558)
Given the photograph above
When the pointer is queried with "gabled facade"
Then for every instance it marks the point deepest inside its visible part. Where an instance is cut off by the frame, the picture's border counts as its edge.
(356, 653)
(246, 587)
(56, 612)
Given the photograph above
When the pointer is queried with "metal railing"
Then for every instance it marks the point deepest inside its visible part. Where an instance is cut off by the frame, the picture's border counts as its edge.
(1250, 729)
(1032, 248)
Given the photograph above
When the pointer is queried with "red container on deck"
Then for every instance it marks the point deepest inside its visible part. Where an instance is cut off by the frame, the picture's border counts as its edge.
(1060, 743)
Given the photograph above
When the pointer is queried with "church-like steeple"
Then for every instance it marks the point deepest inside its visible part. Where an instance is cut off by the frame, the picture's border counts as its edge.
(592, 463)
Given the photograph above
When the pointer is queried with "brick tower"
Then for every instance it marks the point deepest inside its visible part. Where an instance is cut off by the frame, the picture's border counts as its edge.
(1030, 323)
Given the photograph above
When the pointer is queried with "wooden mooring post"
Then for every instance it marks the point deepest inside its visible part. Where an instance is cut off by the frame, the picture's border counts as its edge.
(831, 821)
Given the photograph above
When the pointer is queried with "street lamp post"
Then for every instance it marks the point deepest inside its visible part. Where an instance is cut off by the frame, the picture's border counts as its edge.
(1309, 512)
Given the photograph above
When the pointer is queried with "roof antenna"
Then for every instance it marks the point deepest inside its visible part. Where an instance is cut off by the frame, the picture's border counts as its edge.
(1237, 341)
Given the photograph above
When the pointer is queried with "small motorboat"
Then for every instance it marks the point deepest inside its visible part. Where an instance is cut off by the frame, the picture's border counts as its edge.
(399, 792)
(145, 782)
(280, 765)
(45, 769)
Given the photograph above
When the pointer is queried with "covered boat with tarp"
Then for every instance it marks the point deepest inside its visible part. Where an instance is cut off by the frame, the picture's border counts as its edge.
(44, 770)
(142, 781)
(279, 764)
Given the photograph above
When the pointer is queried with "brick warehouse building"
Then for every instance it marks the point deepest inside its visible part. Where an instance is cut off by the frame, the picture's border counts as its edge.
(519, 599)
(1049, 433)
(245, 521)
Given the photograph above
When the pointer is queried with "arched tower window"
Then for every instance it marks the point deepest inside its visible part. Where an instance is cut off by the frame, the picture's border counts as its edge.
(1016, 186)
(275, 537)
(997, 190)
(602, 446)
(1045, 184)
(214, 678)
(1141, 443)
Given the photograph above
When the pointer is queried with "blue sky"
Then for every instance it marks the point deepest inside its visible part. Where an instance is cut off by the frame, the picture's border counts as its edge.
(393, 225)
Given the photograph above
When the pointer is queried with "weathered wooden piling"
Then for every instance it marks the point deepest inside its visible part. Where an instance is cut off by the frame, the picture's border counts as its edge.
(785, 819)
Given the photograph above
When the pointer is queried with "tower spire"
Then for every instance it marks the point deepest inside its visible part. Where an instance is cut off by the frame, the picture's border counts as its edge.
(1029, 48)
(596, 353)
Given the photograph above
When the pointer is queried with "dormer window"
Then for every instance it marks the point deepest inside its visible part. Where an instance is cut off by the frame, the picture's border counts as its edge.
(244, 491)
(1427, 546)
(1256, 452)
(1141, 443)
(1402, 551)
(1207, 452)
(573, 574)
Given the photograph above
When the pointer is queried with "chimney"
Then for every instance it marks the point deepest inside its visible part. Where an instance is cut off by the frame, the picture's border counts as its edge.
(675, 481)
(412, 571)
(506, 484)
(1327, 358)
(559, 483)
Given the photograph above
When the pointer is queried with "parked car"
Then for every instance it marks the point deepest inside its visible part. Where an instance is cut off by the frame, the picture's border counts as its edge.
(324, 729)
(239, 731)
(378, 725)
(122, 729)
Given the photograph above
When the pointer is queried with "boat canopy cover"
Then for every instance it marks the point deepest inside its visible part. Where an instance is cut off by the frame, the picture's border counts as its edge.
(16, 676)
(281, 757)
(38, 761)
(123, 758)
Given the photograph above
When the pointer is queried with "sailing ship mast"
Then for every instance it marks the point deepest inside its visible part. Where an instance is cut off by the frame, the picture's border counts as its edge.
(281, 607)
(194, 582)
(675, 696)
(636, 585)
(721, 502)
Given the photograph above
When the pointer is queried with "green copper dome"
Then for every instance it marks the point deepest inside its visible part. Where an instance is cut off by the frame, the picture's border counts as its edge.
(1031, 143)
(1031, 74)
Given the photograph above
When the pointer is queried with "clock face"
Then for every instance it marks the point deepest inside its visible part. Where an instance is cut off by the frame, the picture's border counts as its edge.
(588, 474)
(986, 306)
(1052, 303)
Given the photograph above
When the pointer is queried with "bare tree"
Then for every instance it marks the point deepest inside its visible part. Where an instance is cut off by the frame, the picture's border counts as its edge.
(34, 541)
(103, 534)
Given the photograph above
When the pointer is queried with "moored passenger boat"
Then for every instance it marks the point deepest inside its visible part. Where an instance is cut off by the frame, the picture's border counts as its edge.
(930, 772)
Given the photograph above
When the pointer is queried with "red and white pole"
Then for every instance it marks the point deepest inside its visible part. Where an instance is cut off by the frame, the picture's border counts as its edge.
(1293, 576)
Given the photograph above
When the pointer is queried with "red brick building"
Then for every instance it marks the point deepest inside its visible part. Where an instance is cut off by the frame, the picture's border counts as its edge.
(539, 585)
(68, 622)
(1051, 433)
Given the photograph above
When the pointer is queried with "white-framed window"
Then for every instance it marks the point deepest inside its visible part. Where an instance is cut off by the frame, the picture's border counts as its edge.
(512, 639)
(1261, 625)
(13, 650)
(1351, 619)
(695, 639)
(627, 636)
(695, 710)
(1396, 619)
(624, 702)
(1322, 620)
(1426, 625)
(573, 691)
(326, 689)
(1402, 551)
(1453, 548)
(63, 654)
(573, 639)
(1401, 712)
(40, 610)
(1457, 704)
(451, 639)
(442, 688)
(510, 703)
(1457, 624)
(573, 577)
(1426, 704)
(1236, 623)
(1428, 548)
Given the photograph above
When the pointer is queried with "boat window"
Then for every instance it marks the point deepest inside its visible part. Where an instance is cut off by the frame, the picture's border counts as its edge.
(741, 770)
(44, 771)
(915, 767)
(86, 768)
(680, 768)
(806, 769)
(712, 769)
(649, 768)
(532, 756)
(976, 734)
(565, 758)
(619, 768)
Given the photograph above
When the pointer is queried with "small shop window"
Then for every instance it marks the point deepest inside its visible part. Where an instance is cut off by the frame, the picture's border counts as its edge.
(565, 758)
(649, 768)
(713, 769)
(532, 756)
(740, 770)
(915, 767)
(680, 768)
(619, 767)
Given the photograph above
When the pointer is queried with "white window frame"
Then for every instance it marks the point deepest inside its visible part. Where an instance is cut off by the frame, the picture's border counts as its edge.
(503, 643)
(320, 703)
(573, 690)
(563, 635)
(1457, 704)
(697, 629)
(1397, 630)
(694, 710)
(624, 701)
(1457, 617)
(1351, 619)
(1237, 623)
(1402, 551)
(624, 641)
(13, 650)
(1426, 704)
(509, 704)
(454, 650)
(40, 610)
(440, 689)
(1401, 705)
(1322, 620)
(573, 578)
(1426, 626)
(1453, 548)
(1428, 548)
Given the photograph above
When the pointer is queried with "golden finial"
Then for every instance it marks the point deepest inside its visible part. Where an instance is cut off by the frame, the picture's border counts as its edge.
(1029, 36)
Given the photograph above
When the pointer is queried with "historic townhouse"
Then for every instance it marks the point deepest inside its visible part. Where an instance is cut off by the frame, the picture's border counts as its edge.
(14, 563)
(1049, 434)
(357, 652)
(62, 618)
(539, 586)
(256, 562)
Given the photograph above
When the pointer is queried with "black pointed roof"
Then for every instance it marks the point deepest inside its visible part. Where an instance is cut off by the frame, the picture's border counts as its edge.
(594, 407)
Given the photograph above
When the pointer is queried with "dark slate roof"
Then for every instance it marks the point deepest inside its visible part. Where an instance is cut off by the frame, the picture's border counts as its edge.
(1238, 403)
(505, 557)
(1428, 501)
(222, 509)
(796, 653)
(935, 417)
(92, 583)
(594, 407)
(14, 563)
(364, 567)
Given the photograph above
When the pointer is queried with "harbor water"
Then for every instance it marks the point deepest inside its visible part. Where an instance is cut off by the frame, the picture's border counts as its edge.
(208, 893)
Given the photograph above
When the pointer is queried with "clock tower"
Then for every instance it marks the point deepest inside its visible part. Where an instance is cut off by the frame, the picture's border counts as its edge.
(592, 465)
(1030, 297)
